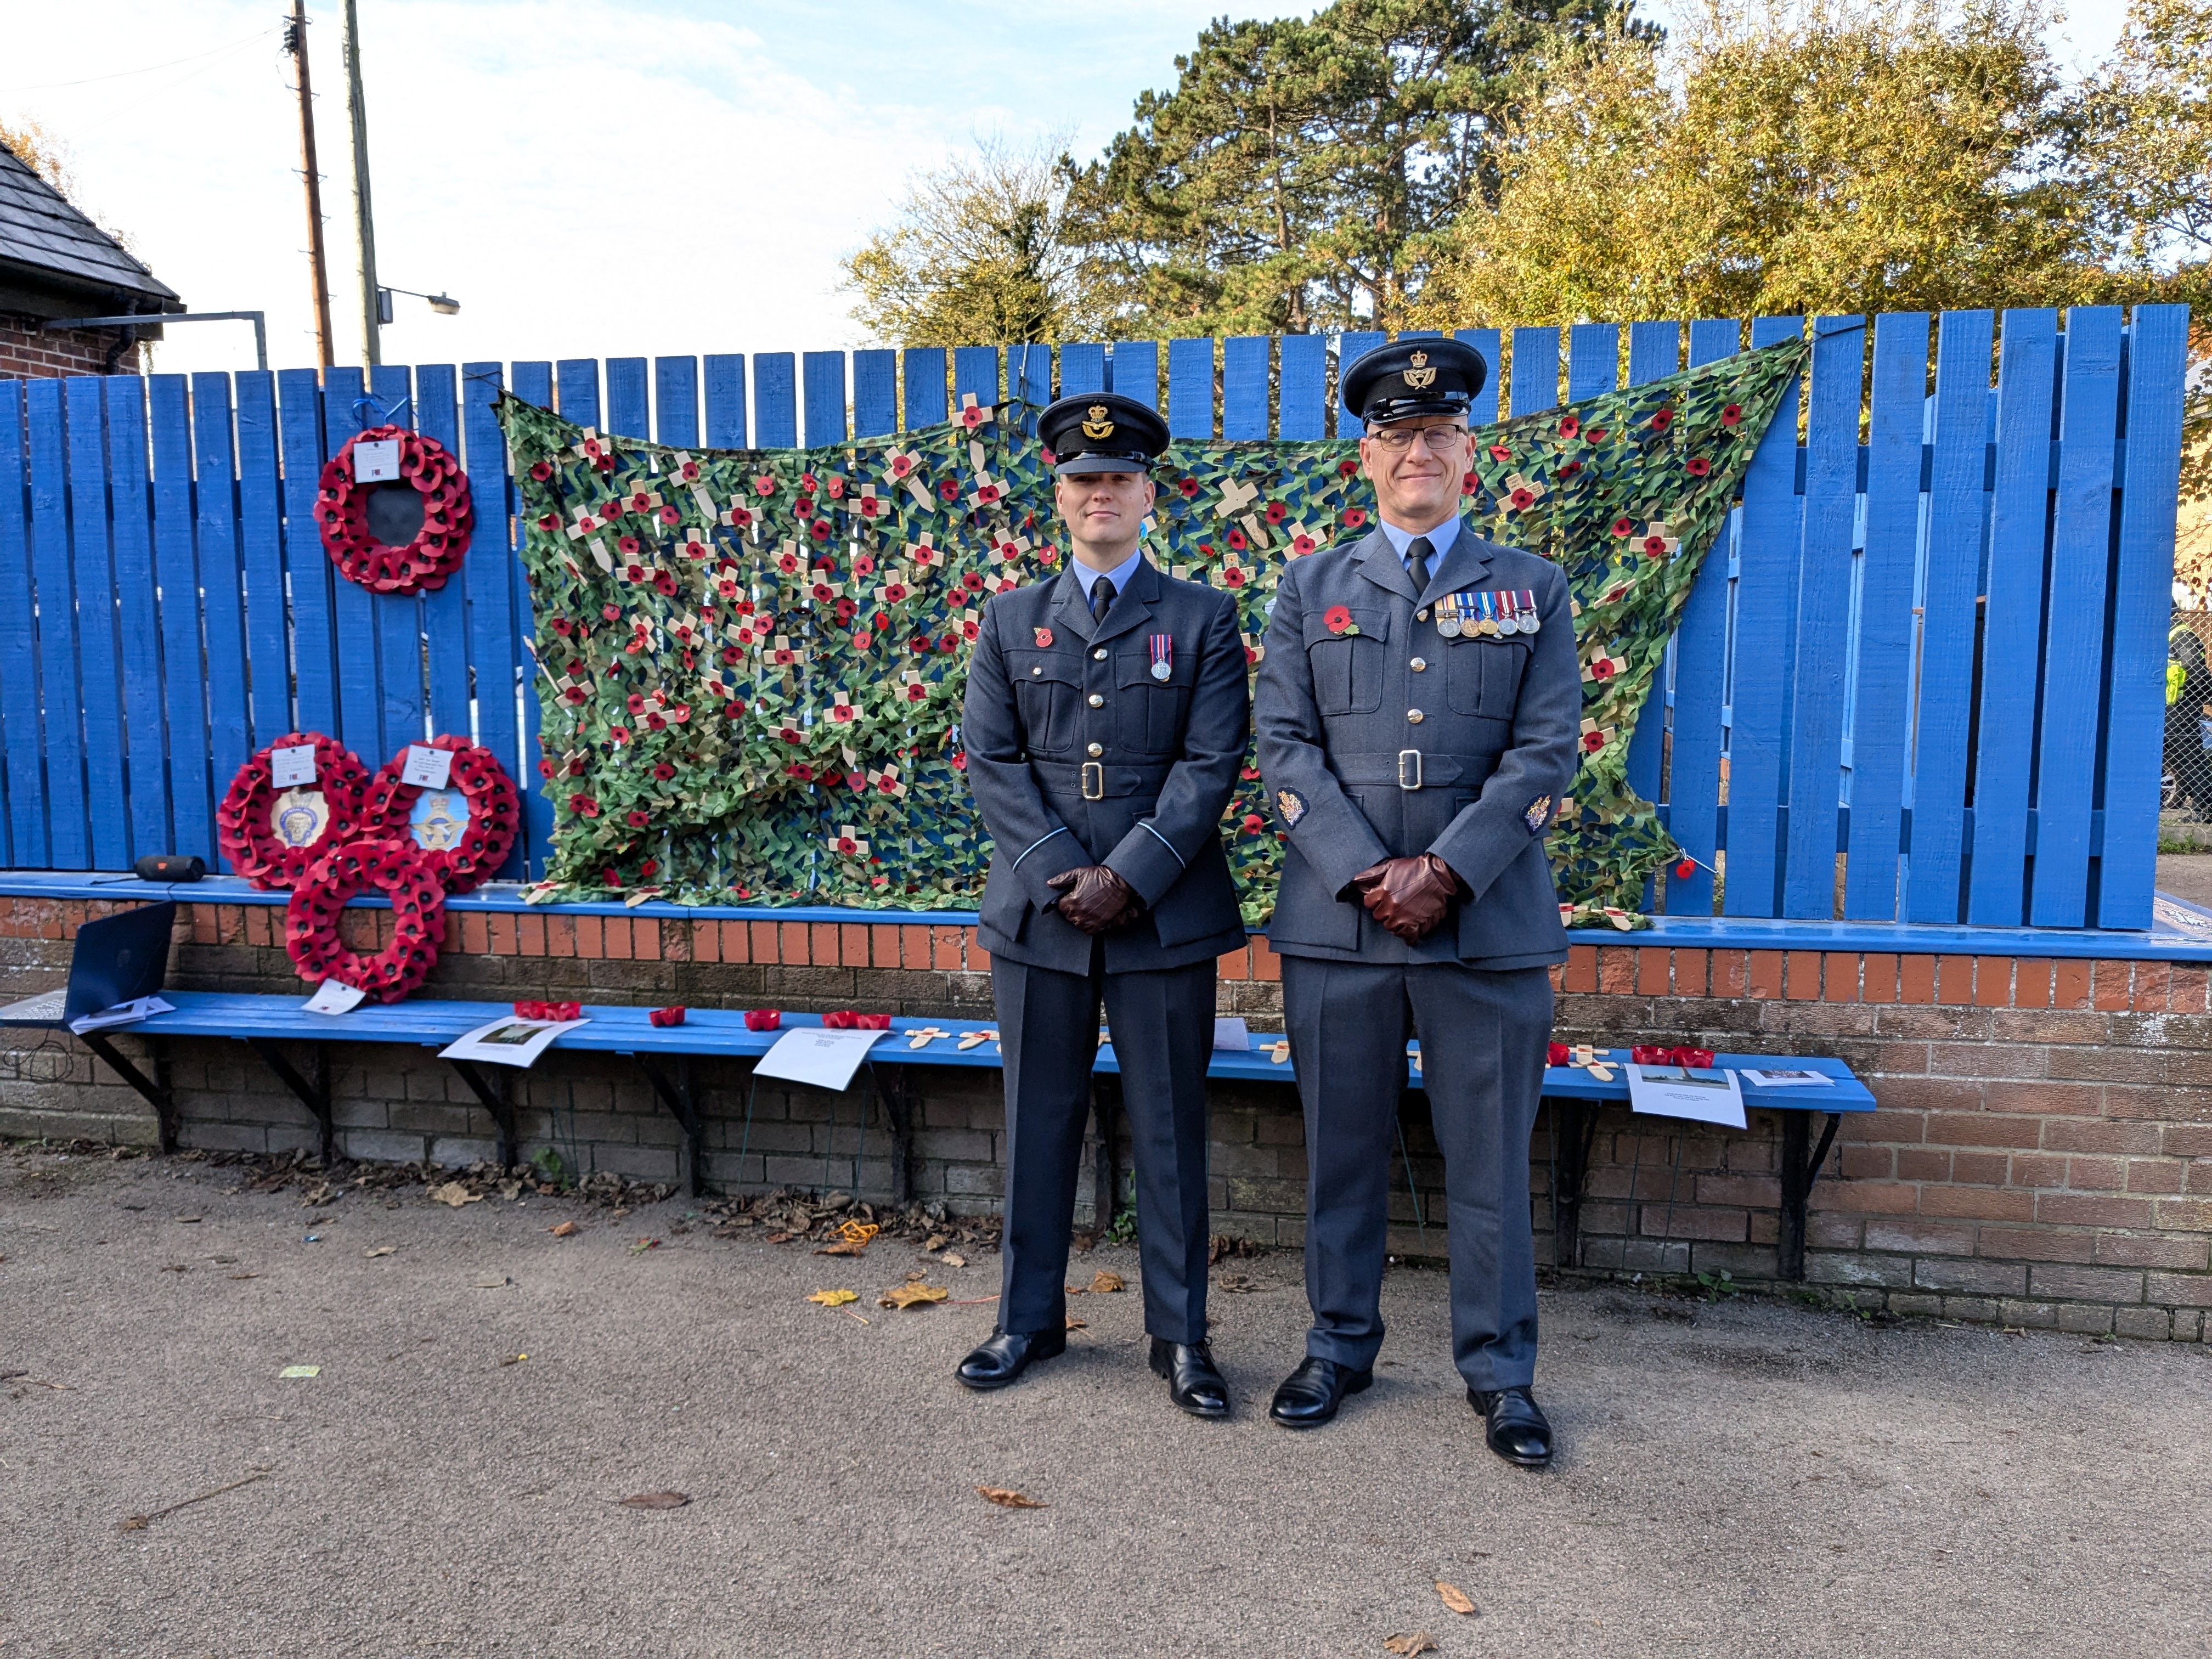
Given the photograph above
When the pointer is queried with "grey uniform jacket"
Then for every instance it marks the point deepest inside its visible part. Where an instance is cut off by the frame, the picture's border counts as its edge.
(1050, 694)
(1491, 725)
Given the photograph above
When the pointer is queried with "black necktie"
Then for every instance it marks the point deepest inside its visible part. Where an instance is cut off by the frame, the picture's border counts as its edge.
(1101, 598)
(1417, 563)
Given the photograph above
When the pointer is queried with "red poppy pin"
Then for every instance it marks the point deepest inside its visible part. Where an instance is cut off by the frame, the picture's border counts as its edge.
(1044, 638)
(1337, 620)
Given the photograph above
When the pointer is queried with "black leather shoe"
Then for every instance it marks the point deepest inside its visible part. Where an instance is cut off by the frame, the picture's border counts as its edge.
(1515, 1427)
(1193, 1381)
(1007, 1355)
(1309, 1395)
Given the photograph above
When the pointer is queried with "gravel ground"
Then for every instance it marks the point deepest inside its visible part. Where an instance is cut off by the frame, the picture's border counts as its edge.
(1737, 1478)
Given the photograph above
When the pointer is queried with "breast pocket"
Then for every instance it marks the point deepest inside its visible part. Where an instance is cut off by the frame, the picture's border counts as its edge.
(1149, 713)
(1046, 695)
(1482, 676)
(1347, 662)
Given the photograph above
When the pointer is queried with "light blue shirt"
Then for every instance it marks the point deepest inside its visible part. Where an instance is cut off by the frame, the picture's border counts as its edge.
(1440, 540)
(1120, 575)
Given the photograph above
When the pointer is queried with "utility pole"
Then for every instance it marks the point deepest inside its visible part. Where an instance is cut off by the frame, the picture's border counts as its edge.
(364, 225)
(295, 42)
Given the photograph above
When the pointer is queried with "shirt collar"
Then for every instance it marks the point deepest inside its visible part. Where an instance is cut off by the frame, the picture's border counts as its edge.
(1440, 539)
(1120, 575)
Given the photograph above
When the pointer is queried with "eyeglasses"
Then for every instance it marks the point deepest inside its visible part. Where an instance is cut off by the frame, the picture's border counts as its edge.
(1397, 440)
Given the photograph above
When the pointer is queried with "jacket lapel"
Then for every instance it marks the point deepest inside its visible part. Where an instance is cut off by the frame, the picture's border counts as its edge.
(1070, 609)
(1380, 564)
(1463, 567)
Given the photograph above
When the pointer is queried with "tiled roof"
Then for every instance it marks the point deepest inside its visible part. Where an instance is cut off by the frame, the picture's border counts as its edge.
(40, 231)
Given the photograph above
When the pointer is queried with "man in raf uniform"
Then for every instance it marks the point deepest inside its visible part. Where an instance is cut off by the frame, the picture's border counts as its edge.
(1105, 724)
(1418, 711)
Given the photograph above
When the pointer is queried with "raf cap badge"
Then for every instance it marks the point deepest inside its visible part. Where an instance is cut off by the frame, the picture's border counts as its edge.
(1098, 426)
(1417, 374)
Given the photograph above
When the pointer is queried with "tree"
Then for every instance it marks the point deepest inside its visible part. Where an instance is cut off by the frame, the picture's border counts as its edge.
(1295, 174)
(978, 257)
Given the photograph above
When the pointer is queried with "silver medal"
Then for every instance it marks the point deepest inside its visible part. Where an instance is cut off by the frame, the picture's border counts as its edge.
(1161, 671)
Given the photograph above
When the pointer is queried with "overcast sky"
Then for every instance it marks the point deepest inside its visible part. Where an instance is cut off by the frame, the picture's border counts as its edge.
(589, 178)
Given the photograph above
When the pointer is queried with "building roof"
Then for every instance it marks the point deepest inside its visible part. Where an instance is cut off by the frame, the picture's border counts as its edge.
(46, 246)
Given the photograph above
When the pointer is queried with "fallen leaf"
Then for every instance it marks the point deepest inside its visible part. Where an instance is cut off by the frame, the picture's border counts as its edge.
(246, 1275)
(912, 1296)
(1075, 1324)
(1455, 1598)
(492, 1281)
(454, 1194)
(1413, 1641)
(643, 1245)
(187, 1220)
(301, 1370)
(843, 1247)
(1007, 1498)
(1103, 1282)
(936, 1242)
(564, 1229)
(953, 1259)
(779, 1238)
(514, 1359)
(657, 1500)
(375, 1250)
(835, 1298)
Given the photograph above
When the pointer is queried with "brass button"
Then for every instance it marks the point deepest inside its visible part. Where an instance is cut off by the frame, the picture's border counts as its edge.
(1038, 670)
(1098, 655)
(1414, 716)
(1420, 615)
(1096, 749)
(1097, 702)
(1419, 664)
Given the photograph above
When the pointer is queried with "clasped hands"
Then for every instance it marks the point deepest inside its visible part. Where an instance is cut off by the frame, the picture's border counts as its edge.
(1095, 899)
(1409, 895)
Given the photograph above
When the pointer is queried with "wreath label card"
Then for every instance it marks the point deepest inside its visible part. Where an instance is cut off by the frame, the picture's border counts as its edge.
(376, 462)
(291, 766)
(427, 767)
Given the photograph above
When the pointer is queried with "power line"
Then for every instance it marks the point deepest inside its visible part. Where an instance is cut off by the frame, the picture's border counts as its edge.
(50, 86)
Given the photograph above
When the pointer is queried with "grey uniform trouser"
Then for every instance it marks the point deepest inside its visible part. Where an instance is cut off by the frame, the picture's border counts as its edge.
(1483, 1037)
(1163, 1028)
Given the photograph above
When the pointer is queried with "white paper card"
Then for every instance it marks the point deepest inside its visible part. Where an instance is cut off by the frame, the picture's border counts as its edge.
(123, 1013)
(376, 461)
(1679, 1091)
(427, 767)
(813, 1054)
(290, 767)
(335, 996)
(1232, 1034)
(510, 1041)
(1762, 1080)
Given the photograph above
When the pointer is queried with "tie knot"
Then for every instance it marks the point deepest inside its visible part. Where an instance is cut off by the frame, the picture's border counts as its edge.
(1102, 589)
(1420, 548)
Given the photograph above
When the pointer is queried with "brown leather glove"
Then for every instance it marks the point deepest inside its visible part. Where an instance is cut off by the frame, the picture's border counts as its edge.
(1095, 899)
(1409, 895)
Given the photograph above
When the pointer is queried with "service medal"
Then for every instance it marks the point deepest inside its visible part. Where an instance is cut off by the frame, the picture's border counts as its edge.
(1163, 647)
(1509, 621)
(1448, 623)
(1530, 622)
(1486, 602)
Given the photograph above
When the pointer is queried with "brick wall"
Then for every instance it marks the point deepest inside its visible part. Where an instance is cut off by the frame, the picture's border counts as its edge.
(2042, 1155)
(28, 352)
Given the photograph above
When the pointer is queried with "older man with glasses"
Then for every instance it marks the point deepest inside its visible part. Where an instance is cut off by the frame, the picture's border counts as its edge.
(1416, 711)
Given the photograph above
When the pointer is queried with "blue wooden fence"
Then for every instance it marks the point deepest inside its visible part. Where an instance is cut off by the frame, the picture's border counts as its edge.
(1930, 646)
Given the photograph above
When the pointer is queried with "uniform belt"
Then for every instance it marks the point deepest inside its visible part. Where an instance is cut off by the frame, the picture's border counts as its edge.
(1096, 780)
(1408, 769)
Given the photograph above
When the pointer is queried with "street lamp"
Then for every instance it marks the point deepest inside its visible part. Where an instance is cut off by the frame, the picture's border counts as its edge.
(444, 304)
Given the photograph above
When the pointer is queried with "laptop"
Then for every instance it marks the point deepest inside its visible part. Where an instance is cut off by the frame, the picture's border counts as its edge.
(116, 959)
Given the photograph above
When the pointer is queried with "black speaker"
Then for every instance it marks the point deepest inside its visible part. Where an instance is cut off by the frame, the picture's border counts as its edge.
(168, 866)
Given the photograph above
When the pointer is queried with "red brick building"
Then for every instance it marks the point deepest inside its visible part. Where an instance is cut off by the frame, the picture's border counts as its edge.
(56, 263)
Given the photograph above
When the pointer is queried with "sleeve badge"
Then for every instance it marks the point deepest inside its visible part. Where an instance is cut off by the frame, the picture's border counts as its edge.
(1538, 814)
(1291, 805)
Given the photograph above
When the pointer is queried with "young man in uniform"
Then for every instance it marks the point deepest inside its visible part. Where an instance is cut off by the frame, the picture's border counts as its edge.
(1418, 708)
(1105, 724)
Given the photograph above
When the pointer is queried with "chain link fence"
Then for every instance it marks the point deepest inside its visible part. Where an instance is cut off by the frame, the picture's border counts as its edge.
(2185, 797)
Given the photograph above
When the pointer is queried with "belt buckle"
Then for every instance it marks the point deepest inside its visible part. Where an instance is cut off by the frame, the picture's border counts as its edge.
(1094, 780)
(1409, 778)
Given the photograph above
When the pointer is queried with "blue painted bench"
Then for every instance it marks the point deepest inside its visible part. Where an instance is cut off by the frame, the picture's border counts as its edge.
(663, 1055)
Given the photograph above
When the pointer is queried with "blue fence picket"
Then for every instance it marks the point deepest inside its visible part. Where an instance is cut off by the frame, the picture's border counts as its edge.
(1134, 371)
(18, 641)
(1028, 377)
(1483, 412)
(1693, 772)
(1190, 388)
(1244, 388)
(445, 610)
(533, 380)
(2012, 618)
(824, 376)
(924, 370)
(1351, 346)
(875, 394)
(775, 400)
(578, 381)
(1814, 710)
(2157, 368)
(184, 665)
(68, 836)
(261, 548)
(975, 373)
(2073, 633)
(726, 400)
(675, 401)
(1882, 665)
(1301, 400)
(92, 576)
(628, 407)
(146, 779)
(223, 610)
(1082, 368)
(1950, 578)
(1593, 359)
(498, 608)
(1536, 385)
(307, 570)
(399, 633)
(361, 702)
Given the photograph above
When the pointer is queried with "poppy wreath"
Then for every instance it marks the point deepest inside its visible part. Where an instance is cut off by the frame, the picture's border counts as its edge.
(495, 813)
(393, 866)
(449, 516)
(243, 821)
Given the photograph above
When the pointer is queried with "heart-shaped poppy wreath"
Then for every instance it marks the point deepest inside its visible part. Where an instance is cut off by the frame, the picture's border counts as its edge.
(245, 825)
(393, 866)
(449, 516)
(495, 813)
